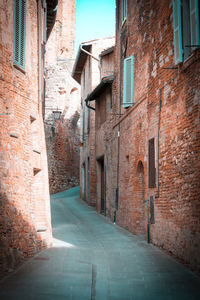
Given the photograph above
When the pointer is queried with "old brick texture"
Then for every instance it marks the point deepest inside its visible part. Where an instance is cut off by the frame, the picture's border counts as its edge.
(62, 95)
(25, 223)
(166, 107)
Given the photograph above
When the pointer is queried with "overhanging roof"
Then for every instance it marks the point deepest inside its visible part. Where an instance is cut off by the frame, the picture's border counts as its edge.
(107, 51)
(105, 82)
(80, 61)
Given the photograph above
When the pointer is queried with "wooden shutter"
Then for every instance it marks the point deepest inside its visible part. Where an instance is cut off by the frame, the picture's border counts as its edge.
(19, 32)
(194, 22)
(152, 169)
(177, 24)
(128, 81)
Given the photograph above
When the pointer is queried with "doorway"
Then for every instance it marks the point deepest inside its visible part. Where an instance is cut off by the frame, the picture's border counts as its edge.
(83, 182)
(103, 184)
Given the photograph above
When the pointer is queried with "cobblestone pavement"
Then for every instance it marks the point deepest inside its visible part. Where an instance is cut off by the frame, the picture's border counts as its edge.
(94, 259)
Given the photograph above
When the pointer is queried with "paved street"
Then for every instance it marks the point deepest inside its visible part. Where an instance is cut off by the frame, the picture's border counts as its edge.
(94, 259)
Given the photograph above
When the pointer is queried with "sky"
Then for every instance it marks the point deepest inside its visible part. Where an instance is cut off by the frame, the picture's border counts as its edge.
(94, 19)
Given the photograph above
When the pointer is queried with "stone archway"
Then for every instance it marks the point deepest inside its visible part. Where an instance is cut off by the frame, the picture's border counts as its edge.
(140, 201)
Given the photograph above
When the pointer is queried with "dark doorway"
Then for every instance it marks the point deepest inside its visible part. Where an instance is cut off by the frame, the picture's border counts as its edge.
(88, 180)
(102, 174)
(83, 181)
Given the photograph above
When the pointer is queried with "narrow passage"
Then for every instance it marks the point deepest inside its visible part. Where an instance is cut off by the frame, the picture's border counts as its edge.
(94, 259)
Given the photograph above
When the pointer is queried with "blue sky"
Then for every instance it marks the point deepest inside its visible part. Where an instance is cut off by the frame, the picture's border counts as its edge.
(94, 19)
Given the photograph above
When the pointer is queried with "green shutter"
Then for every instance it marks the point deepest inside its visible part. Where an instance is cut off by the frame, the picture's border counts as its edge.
(177, 24)
(128, 81)
(194, 22)
(19, 32)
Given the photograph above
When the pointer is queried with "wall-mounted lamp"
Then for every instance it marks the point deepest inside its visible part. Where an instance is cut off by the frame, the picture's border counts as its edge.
(56, 114)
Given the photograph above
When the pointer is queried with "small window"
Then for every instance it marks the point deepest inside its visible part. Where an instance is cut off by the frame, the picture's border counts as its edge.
(124, 10)
(19, 32)
(186, 28)
(152, 169)
(128, 81)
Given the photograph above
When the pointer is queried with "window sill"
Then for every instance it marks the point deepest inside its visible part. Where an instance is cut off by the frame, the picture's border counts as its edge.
(123, 23)
(18, 68)
(189, 61)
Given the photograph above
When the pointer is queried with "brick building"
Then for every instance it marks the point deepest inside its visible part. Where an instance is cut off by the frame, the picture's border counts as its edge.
(62, 102)
(25, 222)
(156, 109)
(102, 95)
(86, 72)
(147, 146)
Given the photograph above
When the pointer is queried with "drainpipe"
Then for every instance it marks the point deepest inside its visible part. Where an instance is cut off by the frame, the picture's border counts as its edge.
(90, 107)
(39, 51)
(118, 138)
(81, 47)
(94, 57)
(148, 231)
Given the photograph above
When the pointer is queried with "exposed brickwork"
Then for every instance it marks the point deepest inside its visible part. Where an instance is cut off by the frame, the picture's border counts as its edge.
(62, 140)
(25, 223)
(166, 109)
(62, 94)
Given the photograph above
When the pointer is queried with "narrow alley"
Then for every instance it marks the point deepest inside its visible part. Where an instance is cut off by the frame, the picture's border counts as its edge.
(92, 258)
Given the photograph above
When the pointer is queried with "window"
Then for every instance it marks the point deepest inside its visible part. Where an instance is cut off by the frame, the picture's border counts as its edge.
(19, 32)
(124, 10)
(152, 169)
(186, 28)
(128, 81)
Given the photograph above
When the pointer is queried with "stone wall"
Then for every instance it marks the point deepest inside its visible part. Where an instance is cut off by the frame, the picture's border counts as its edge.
(62, 95)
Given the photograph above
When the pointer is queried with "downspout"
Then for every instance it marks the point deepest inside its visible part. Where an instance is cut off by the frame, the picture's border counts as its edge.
(90, 107)
(81, 47)
(94, 57)
(118, 139)
(39, 51)
(44, 55)
(148, 231)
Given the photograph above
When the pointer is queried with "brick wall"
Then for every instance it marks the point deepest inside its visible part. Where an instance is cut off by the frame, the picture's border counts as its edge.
(166, 108)
(62, 94)
(25, 223)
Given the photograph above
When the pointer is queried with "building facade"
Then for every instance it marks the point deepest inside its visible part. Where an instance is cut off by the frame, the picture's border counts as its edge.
(62, 102)
(86, 72)
(25, 221)
(157, 124)
(147, 142)
(103, 97)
